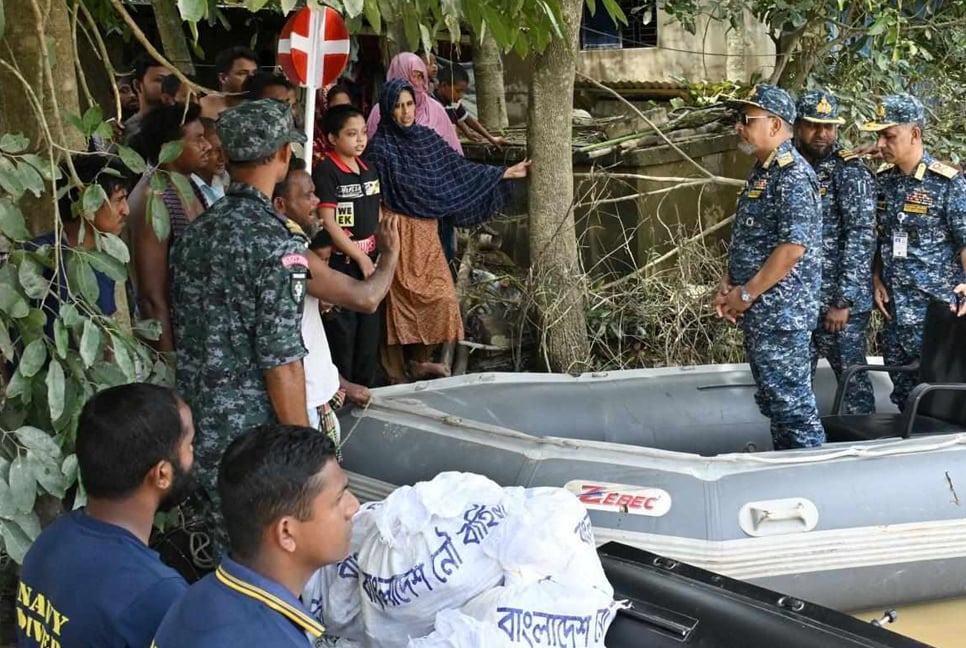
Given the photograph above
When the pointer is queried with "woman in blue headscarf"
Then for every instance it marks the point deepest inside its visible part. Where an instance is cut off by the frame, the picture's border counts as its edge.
(423, 180)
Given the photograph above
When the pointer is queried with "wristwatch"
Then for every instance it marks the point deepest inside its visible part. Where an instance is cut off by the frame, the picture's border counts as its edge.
(745, 295)
(841, 302)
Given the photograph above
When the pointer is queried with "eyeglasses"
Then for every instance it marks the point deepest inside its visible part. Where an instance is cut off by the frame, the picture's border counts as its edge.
(744, 118)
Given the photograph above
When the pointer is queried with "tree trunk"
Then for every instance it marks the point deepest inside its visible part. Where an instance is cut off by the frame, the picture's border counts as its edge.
(173, 39)
(50, 81)
(555, 264)
(490, 91)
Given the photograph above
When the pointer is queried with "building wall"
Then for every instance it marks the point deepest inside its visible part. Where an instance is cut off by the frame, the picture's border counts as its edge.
(715, 52)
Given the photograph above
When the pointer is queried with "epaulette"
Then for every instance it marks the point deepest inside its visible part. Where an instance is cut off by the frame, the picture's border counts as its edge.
(885, 166)
(785, 159)
(944, 169)
(848, 155)
(295, 228)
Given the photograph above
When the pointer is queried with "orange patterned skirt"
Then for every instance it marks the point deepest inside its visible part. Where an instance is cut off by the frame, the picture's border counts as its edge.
(421, 307)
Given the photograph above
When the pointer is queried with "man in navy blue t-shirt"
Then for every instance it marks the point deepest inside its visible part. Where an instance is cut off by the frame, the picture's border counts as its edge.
(288, 512)
(90, 579)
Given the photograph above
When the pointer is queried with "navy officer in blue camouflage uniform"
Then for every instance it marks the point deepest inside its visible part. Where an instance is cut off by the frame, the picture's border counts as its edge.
(240, 274)
(774, 267)
(847, 188)
(921, 223)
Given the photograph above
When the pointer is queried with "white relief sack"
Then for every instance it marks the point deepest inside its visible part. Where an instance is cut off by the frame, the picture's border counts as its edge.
(333, 594)
(546, 613)
(427, 555)
(547, 533)
(456, 630)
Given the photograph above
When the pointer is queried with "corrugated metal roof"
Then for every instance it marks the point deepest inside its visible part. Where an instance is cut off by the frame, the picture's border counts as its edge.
(628, 84)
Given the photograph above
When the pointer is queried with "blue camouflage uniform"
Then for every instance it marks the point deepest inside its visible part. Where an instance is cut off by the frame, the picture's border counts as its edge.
(847, 189)
(780, 204)
(239, 276)
(921, 231)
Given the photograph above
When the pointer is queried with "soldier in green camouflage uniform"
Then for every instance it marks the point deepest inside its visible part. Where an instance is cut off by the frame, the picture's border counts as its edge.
(239, 277)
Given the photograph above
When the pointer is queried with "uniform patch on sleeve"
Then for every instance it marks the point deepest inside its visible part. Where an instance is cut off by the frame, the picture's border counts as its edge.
(848, 155)
(290, 260)
(944, 169)
(297, 282)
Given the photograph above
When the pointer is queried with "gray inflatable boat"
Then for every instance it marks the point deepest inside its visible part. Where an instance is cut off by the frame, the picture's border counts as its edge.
(678, 461)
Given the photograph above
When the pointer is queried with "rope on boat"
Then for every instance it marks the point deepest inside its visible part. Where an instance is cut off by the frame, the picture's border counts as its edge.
(902, 446)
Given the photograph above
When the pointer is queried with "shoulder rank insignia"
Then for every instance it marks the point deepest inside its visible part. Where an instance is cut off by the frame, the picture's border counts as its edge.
(944, 169)
(294, 228)
(785, 159)
(885, 166)
(848, 155)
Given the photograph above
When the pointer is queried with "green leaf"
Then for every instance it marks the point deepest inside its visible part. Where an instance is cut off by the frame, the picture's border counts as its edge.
(92, 119)
(148, 329)
(108, 265)
(23, 485)
(44, 166)
(371, 9)
(31, 275)
(131, 159)
(74, 121)
(158, 216)
(6, 345)
(123, 358)
(61, 338)
(13, 143)
(38, 442)
(31, 179)
(18, 387)
(81, 277)
(32, 326)
(48, 474)
(90, 344)
(353, 8)
(12, 223)
(12, 303)
(170, 151)
(55, 389)
(7, 507)
(255, 5)
(33, 358)
(15, 541)
(105, 374)
(94, 197)
(184, 187)
(71, 316)
(3, 20)
(69, 468)
(193, 10)
(10, 179)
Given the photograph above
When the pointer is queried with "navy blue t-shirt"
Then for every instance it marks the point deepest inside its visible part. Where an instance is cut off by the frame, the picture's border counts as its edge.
(88, 583)
(235, 606)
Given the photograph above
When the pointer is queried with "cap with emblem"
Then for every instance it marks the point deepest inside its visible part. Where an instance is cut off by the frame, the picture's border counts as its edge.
(253, 130)
(896, 109)
(770, 98)
(819, 107)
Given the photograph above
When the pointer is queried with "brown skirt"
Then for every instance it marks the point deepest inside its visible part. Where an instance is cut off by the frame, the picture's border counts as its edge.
(421, 307)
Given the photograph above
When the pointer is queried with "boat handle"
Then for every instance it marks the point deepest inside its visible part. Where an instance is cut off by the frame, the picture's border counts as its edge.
(764, 515)
(778, 517)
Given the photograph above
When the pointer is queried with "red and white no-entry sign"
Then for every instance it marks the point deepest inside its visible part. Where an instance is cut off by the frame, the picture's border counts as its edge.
(313, 47)
(313, 50)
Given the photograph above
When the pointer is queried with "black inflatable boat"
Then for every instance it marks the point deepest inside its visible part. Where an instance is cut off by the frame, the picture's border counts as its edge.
(675, 605)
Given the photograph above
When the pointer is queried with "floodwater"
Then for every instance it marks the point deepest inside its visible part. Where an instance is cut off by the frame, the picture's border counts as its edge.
(939, 623)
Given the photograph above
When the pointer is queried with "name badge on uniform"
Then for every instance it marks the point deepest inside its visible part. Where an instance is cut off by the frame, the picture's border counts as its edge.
(900, 245)
(345, 214)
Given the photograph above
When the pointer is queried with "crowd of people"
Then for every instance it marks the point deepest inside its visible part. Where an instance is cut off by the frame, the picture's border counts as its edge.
(275, 285)
(279, 287)
(819, 239)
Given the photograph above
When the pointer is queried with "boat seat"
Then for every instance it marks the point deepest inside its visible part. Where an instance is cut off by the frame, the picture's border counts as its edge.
(937, 405)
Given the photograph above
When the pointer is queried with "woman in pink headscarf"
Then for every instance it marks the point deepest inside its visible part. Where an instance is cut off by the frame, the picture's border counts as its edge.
(429, 112)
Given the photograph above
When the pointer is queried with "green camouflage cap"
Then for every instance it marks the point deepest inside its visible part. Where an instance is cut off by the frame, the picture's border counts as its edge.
(770, 98)
(819, 107)
(253, 130)
(896, 109)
